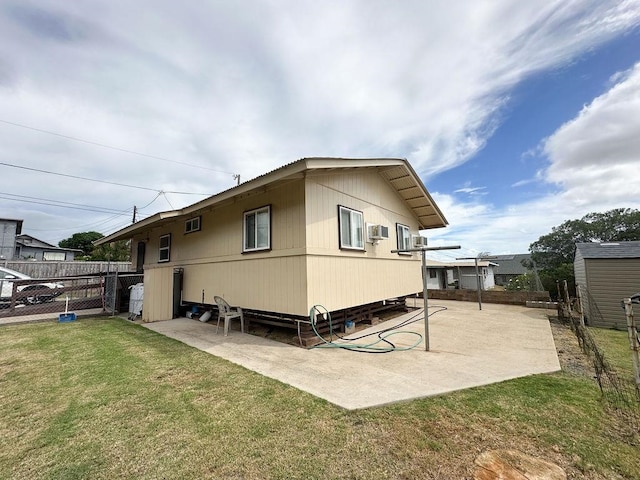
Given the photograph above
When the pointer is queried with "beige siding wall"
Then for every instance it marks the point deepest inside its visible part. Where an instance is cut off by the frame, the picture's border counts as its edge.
(213, 261)
(158, 294)
(345, 278)
(274, 284)
(341, 282)
(609, 281)
(366, 192)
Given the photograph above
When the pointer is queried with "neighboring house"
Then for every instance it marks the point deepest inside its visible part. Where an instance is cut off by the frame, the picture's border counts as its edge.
(30, 248)
(318, 231)
(9, 230)
(606, 273)
(509, 267)
(461, 274)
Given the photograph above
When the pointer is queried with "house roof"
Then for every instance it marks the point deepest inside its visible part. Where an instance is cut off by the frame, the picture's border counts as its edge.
(511, 264)
(32, 242)
(467, 264)
(609, 249)
(397, 172)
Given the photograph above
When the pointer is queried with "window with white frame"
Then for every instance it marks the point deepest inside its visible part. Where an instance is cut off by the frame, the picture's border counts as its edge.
(165, 248)
(351, 228)
(54, 256)
(404, 238)
(192, 225)
(257, 230)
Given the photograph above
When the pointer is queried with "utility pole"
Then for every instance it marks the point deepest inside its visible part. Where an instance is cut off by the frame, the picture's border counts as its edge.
(135, 210)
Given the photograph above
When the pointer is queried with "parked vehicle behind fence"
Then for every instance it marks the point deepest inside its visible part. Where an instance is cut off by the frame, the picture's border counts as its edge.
(30, 293)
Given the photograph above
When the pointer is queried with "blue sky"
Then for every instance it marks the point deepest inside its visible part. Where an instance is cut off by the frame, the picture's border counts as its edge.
(517, 115)
(537, 107)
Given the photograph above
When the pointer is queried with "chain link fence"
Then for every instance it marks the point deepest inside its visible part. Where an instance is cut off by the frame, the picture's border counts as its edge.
(44, 298)
(620, 389)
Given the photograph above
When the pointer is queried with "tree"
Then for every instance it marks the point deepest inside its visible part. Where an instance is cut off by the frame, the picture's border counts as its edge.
(559, 246)
(119, 251)
(553, 254)
(115, 252)
(83, 241)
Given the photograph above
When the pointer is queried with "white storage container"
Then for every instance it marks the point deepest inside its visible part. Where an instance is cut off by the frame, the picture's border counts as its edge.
(135, 300)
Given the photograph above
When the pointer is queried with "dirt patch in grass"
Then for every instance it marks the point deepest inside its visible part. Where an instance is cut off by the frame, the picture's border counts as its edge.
(572, 359)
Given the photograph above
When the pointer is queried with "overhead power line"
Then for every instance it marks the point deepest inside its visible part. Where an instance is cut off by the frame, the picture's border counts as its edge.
(97, 181)
(76, 139)
(75, 228)
(57, 203)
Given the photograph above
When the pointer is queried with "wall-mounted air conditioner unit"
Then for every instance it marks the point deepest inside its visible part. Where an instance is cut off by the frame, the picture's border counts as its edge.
(377, 232)
(418, 241)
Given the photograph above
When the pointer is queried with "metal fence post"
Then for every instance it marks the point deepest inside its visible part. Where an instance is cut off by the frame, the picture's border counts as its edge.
(114, 293)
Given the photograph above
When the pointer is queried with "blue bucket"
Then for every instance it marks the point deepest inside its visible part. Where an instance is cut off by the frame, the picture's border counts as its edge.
(66, 317)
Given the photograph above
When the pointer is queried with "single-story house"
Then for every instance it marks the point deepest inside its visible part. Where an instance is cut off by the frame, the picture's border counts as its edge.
(606, 273)
(318, 231)
(30, 248)
(461, 274)
(509, 267)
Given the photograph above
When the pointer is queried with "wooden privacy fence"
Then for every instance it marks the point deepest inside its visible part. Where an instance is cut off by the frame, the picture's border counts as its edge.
(489, 296)
(65, 269)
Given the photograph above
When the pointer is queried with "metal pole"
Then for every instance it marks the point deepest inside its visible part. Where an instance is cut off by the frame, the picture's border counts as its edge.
(478, 280)
(426, 302)
(423, 251)
(478, 285)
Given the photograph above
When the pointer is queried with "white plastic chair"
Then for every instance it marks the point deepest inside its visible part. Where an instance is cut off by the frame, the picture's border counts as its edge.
(228, 312)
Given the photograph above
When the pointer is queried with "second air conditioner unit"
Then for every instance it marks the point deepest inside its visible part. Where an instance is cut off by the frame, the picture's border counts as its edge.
(419, 241)
(377, 232)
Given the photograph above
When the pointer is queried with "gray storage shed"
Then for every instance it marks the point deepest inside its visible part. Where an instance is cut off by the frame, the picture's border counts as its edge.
(606, 273)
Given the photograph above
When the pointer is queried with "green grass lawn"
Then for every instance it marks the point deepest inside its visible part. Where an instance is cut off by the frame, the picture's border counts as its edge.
(106, 398)
(616, 348)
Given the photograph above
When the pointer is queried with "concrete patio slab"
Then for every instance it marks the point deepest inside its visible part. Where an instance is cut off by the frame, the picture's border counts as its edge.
(468, 348)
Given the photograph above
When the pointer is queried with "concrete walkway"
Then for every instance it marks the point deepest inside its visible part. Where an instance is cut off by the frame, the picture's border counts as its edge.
(468, 348)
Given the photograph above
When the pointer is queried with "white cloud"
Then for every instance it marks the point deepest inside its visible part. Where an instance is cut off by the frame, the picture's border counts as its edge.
(593, 167)
(594, 157)
(469, 190)
(245, 90)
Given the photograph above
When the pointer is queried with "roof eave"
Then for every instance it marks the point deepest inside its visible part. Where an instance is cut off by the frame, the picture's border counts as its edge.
(141, 226)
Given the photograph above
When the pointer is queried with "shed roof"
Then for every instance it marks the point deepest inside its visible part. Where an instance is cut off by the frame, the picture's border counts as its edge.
(629, 249)
(397, 172)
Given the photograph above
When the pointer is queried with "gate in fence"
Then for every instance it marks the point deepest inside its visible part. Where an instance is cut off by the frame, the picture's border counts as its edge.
(110, 293)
